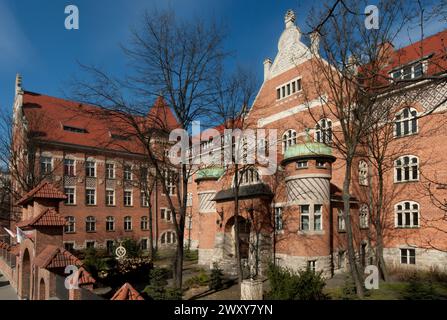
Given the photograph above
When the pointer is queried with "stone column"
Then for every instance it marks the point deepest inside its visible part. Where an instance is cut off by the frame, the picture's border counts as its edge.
(251, 290)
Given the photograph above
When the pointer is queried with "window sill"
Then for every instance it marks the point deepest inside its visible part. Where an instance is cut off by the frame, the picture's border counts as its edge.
(311, 232)
(110, 205)
(70, 204)
(69, 232)
(91, 205)
(409, 181)
(128, 230)
(406, 135)
(91, 231)
(414, 227)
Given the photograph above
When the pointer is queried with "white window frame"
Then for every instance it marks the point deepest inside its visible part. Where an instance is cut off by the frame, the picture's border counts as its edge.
(407, 256)
(88, 223)
(68, 195)
(302, 164)
(87, 196)
(108, 203)
(403, 213)
(112, 220)
(70, 223)
(402, 167)
(279, 222)
(305, 214)
(131, 198)
(48, 162)
(324, 131)
(110, 173)
(89, 167)
(127, 222)
(172, 238)
(127, 172)
(319, 214)
(73, 165)
(341, 223)
(167, 213)
(144, 220)
(289, 138)
(400, 122)
(144, 200)
(289, 89)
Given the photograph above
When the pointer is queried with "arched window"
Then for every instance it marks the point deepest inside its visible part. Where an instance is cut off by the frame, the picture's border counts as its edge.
(323, 131)
(168, 237)
(364, 216)
(144, 223)
(70, 227)
(127, 223)
(249, 176)
(405, 122)
(90, 224)
(407, 214)
(363, 173)
(288, 139)
(406, 169)
(110, 223)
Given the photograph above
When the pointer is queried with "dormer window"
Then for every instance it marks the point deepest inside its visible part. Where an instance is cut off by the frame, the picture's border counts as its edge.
(288, 89)
(411, 71)
(119, 137)
(74, 129)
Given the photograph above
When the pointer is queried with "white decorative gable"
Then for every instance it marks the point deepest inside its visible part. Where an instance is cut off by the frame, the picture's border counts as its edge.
(291, 51)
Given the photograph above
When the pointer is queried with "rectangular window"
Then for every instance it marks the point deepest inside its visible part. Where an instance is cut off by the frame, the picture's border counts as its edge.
(90, 169)
(144, 199)
(127, 172)
(70, 193)
(170, 177)
(278, 94)
(278, 219)
(301, 164)
(293, 87)
(70, 226)
(46, 165)
(90, 197)
(90, 244)
(317, 217)
(305, 219)
(110, 197)
(321, 164)
(288, 89)
(312, 265)
(408, 256)
(128, 198)
(110, 171)
(69, 167)
(166, 214)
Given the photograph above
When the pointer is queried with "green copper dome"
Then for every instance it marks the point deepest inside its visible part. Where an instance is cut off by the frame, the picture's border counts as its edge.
(210, 173)
(308, 149)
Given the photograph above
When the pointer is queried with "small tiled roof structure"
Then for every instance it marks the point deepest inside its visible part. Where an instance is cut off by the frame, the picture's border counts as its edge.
(47, 218)
(15, 249)
(127, 292)
(56, 257)
(43, 191)
(85, 277)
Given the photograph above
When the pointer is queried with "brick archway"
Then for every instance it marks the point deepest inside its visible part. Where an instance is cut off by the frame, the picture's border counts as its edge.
(42, 290)
(25, 275)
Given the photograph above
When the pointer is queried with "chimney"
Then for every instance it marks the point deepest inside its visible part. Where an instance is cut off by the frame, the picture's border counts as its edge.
(267, 66)
(315, 43)
(18, 84)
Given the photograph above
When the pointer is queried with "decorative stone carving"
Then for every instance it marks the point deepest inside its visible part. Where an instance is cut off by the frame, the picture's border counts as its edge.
(251, 290)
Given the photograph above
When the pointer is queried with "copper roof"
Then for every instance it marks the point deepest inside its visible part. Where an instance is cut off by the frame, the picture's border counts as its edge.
(46, 218)
(127, 292)
(43, 191)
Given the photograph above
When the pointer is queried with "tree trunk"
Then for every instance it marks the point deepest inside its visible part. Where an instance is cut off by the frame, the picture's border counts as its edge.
(151, 233)
(379, 229)
(236, 225)
(354, 268)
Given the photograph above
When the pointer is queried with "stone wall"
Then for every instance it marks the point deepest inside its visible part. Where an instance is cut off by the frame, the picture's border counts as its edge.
(323, 263)
(425, 259)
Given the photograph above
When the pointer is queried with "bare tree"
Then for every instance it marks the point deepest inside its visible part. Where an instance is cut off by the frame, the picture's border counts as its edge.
(176, 60)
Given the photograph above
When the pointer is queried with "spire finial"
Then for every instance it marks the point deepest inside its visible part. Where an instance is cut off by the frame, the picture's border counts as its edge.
(289, 18)
(18, 83)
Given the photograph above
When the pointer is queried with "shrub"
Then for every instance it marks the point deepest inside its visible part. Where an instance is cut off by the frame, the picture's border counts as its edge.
(289, 285)
(191, 255)
(216, 278)
(132, 248)
(157, 288)
(420, 290)
(202, 279)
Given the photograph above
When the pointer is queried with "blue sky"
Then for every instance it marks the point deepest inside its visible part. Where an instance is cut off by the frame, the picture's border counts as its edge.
(34, 42)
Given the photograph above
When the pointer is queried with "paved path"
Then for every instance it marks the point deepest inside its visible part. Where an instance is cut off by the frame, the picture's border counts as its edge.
(6, 291)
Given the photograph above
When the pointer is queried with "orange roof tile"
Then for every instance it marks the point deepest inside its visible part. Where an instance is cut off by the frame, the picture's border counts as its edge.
(43, 191)
(100, 128)
(56, 257)
(85, 277)
(127, 292)
(46, 218)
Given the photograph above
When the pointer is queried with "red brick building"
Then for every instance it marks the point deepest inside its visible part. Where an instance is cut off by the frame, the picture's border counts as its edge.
(85, 154)
(302, 200)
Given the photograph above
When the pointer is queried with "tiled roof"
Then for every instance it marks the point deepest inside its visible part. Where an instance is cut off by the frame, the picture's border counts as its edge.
(85, 277)
(58, 120)
(15, 249)
(43, 191)
(127, 292)
(46, 218)
(56, 257)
